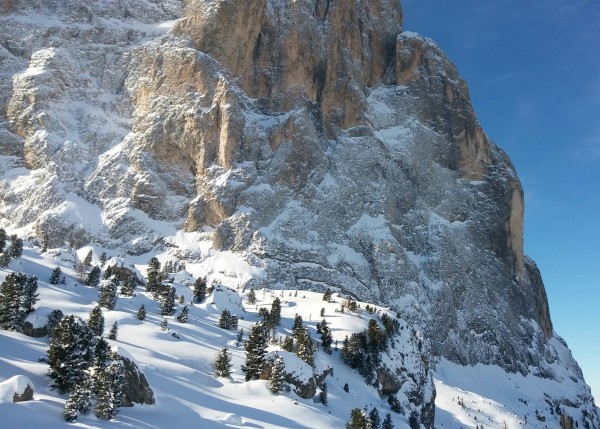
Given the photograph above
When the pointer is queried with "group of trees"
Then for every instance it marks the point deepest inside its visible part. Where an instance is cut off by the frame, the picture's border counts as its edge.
(82, 364)
(228, 321)
(14, 249)
(18, 295)
(359, 419)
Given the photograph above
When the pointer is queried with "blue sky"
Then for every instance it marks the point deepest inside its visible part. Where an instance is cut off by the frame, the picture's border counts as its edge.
(533, 71)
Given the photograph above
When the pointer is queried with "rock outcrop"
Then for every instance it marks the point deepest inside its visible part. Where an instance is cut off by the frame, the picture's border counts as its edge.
(137, 390)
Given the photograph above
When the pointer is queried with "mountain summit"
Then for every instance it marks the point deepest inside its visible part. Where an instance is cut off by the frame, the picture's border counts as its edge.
(314, 139)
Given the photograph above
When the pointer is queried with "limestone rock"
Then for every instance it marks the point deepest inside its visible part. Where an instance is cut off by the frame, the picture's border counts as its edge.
(137, 390)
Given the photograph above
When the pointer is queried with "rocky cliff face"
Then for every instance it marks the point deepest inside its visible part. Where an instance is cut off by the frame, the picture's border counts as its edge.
(314, 138)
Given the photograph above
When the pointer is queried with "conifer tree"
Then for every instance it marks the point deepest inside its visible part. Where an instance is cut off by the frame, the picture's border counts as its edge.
(108, 294)
(305, 347)
(251, 298)
(54, 319)
(128, 287)
(413, 420)
(288, 344)
(223, 363)
(395, 404)
(346, 388)
(87, 261)
(326, 337)
(164, 325)
(15, 250)
(182, 318)
(102, 353)
(181, 299)
(109, 384)
(358, 420)
(255, 352)
(327, 295)
(153, 275)
(70, 353)
(103, 259)
(224, 320)
(29, 294)
(275, 314)
(323, 394)
(3, 237)
(167, 303)
(387, 422)
(141, 314)
(79, 402)
(55, 276)
(277, 378)
(114, 330)
(4, 259)
(93, 278)
(265, 319)
(297, 324)
(375, 419)
(96, 321)
(10, 308)
(200, 289)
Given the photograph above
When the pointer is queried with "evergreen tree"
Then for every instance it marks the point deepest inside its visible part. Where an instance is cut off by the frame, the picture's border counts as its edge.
(251, 298)
(327, 295)
(358, 420)
(108, 294)
(164, 325)
(255, 352)
(275, 314)
(305, 347)
(375, 419)
(141, 314)
(114, 330)
(29, 294)
(54, 319)
(223, 363)
(79, 402)
(200, 289)
(387, 422)
(167, 303)
(413, 420)
(11, 317)
(224, 320)
(182, 318)
(3, 237)
(102, 353)
(15, 250)
(96, 321)
(181, 299)
(70, 353)
(87, 261)
(4, 259)
(153, 275)
(93, 278)
(326, 338)
(55, 276)
(297, 324)
(323, 394)
(103, 259)
(128, 287)
(395, 404)
(288, 344)
(277, 378)
(376, 337)
(109, 383)
(322, 312)
(263, 313)
(346, 388)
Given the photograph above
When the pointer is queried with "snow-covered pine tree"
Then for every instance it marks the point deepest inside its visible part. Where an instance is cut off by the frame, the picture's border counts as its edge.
(96, 321)
(109, 385)
(277, 378)
(128, 287)
(305, 347)
(87, 261)
(327, 295)
(224, 320)
(4, 259)
(395, 404)
(326, 338)
(153, 275)
(387, 422)
(251, 297)
(141, 314)
(413, 420)
(79, 402)
(102, 353)
(55, 276)
(255, 352)
(10, 294)
(54, 319)
(15, 250)
(103, 259)
(275, 314)
(288, 344)
(375, 419)
(3, 238)
(93, 278)
(182, 318)
(167, 303)
(358, 420)
(29, 295)
(200, 289)
(108, 294)
(297, 324)
(223, 363)
(70, 353)
(323, 394)
(114, 331)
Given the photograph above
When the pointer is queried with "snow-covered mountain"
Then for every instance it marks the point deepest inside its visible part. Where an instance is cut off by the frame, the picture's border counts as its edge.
(295, 145)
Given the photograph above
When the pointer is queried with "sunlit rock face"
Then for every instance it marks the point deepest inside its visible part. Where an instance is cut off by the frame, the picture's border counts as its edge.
(313, 137)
